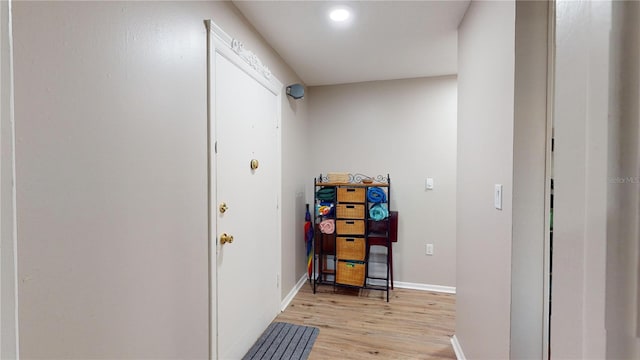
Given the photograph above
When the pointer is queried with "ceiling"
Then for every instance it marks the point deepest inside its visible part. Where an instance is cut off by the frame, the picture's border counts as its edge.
(384, 39)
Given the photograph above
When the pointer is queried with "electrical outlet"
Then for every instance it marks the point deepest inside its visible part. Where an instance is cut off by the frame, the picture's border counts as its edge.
(429, 249)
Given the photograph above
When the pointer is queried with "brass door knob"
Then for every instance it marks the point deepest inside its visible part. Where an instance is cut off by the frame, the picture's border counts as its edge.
(224, 238)
(223, 208)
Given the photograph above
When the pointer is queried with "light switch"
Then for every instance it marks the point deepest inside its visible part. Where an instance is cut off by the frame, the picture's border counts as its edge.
(497, 196)
(428, 185)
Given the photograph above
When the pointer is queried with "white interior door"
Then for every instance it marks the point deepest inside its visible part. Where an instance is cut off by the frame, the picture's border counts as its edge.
(246, 112)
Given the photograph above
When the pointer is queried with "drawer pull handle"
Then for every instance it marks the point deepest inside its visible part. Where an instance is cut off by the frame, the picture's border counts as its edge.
(351, 240)
(351, 190)
(351, 207)
(350, 222)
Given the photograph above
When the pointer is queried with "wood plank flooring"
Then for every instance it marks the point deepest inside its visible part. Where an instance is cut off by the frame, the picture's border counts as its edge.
(360, 324)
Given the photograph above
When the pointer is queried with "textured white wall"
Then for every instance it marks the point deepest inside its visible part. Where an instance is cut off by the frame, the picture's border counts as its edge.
(623, 190)
(406, 128)
(529, 168)
(111, 112)
(486, 40)
(580, 179)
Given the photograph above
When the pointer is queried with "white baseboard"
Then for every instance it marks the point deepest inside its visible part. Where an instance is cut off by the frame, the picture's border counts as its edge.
(287, 299)
(425, 287)
(399, 284)
(457, 348)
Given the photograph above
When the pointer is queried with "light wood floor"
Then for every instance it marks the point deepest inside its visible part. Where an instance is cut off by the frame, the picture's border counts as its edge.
(362, 325)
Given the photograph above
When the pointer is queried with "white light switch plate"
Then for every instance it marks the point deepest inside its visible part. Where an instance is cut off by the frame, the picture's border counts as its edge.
(429, 249)
(497, 196)
(428, 184)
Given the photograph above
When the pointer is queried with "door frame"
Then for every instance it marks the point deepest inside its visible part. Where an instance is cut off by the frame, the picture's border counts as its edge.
(9, 334)
(221, 43)
(546, 320)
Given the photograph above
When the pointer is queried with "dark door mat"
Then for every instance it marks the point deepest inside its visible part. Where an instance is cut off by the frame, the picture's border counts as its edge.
(283, 341)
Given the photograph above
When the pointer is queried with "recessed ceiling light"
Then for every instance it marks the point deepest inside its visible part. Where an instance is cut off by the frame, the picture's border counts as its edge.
(339, 15)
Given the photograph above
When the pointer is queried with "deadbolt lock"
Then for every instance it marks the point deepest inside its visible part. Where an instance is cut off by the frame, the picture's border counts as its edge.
(254, 164)
(224, 238)
(223, 208)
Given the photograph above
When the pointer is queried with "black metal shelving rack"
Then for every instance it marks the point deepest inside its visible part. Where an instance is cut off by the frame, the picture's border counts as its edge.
(324, 245)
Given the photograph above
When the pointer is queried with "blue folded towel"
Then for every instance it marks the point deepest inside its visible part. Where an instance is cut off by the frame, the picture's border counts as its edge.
(379, 212)
(376, 195)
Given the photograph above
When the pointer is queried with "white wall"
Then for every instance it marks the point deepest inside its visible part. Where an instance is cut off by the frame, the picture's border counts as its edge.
(596, 118)
(8, 333)
(580, 179)
(485, 157)
(112, 179)
(406, 128)
(529, 167)
(622, 309)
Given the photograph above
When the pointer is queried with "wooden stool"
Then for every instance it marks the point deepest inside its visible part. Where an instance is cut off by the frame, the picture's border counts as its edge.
(381, 227)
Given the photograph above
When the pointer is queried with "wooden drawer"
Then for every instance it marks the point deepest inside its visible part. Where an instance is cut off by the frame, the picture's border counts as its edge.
(350, 273)
(350, 248)
(350, 227)
(351, 194)
(350, 211)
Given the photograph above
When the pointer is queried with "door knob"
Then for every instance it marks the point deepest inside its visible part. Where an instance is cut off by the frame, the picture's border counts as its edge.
(224, 238)
(223, 208)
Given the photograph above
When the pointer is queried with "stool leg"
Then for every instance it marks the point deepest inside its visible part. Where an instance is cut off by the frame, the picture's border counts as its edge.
(391, 263)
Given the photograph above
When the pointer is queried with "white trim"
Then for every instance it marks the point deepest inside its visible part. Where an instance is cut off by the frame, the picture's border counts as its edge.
(238, 47)
(457, 348)
(278, 130)
(211, 174)
(287, 299)
(416, 286)
(9, 340)
(231, 49)
(425, 287)
(13, 186)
